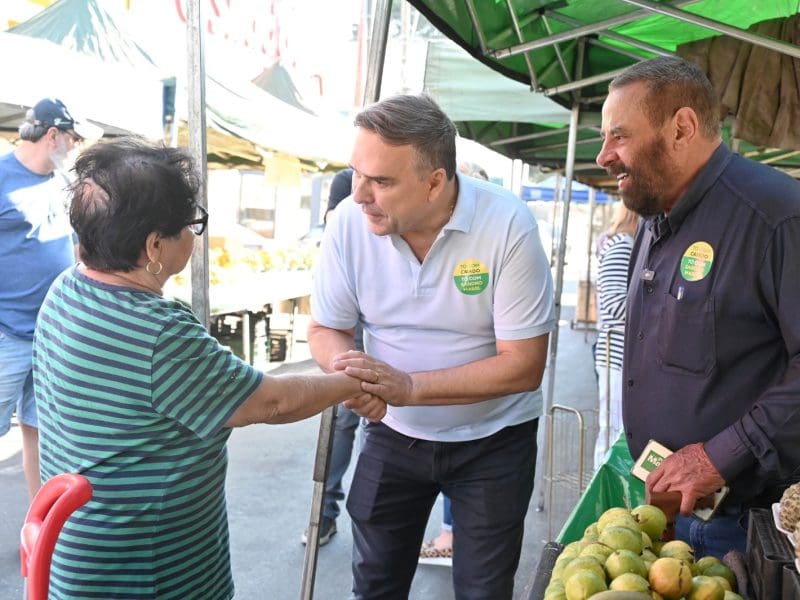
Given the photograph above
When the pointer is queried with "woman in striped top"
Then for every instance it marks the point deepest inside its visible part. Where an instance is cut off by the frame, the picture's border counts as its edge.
(612, 291)
(135, 394)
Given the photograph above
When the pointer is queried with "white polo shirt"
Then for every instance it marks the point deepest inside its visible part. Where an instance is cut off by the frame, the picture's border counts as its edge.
(486, 277)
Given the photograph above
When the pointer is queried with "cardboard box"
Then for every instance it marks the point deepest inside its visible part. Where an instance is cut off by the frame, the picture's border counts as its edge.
(581, 313)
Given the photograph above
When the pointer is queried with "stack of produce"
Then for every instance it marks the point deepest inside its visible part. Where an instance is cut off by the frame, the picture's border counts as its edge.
(789, 513)
(622, 553)
(229, 265)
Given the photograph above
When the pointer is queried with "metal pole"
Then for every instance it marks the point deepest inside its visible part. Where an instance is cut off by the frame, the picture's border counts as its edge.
(377, 51)
(576, 33)
(196, 83)
(320, 477)
(559, 285)
(372, 93)
(734, 32)
(589, 252)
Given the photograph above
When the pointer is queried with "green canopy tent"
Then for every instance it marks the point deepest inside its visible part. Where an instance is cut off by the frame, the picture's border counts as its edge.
(569, 50)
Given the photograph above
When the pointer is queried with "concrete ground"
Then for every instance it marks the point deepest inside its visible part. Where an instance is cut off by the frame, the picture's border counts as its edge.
(269, 490)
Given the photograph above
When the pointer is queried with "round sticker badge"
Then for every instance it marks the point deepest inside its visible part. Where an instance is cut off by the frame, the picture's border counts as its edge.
(471, 276)
(696, 261)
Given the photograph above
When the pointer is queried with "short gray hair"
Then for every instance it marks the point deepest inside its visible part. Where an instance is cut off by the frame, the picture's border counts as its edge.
(673, 83)
(417, 121)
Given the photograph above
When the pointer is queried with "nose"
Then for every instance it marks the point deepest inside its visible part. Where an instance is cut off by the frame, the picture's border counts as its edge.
(361, 193)
(606, 155)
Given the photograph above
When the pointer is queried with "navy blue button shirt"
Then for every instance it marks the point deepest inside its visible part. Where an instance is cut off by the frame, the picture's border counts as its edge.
(712, 353)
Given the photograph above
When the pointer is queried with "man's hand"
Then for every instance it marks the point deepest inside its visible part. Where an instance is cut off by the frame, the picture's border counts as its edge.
(366, 405)
(688, 471)
(377, 377)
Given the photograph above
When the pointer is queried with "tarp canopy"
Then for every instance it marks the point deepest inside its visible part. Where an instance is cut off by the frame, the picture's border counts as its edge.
(468, 91)
(90, 87)
(246, 123)
(569, 51)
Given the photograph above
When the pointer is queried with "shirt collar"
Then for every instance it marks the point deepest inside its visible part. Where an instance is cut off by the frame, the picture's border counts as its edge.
(698, 187)
(465, 206)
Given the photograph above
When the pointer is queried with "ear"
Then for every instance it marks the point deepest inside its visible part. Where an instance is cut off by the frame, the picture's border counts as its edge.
(52, 135)
(153, 246)
(436, 183)
(685, 127)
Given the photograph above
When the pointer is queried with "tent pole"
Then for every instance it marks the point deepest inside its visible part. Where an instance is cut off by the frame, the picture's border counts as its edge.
(589, 251)
(376, 52)
(734, 32)
(559, 285)
(372, 93)
(196, 82)
(571, 34)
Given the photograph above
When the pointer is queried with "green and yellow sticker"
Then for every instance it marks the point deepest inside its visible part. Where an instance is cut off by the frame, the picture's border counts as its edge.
(471, 276)
(697, 260)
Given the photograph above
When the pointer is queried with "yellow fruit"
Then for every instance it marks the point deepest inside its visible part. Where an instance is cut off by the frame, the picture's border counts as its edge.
(671, 578)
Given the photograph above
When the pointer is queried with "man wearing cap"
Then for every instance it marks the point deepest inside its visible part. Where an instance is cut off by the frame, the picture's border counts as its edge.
(36, 244)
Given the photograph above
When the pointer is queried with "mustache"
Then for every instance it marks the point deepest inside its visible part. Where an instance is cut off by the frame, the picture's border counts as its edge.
(617, 169)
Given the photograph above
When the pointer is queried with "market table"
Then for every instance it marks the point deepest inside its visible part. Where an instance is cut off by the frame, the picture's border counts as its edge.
(251, 296)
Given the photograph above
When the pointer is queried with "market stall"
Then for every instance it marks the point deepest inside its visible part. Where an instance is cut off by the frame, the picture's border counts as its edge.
(767, 571)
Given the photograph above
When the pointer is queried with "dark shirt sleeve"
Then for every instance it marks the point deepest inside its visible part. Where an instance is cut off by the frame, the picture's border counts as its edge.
(767, 435)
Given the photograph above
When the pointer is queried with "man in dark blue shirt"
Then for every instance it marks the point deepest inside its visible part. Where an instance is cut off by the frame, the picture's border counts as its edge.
(712, 340)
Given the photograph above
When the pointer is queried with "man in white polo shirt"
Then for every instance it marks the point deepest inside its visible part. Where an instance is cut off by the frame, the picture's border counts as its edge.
(449, 280)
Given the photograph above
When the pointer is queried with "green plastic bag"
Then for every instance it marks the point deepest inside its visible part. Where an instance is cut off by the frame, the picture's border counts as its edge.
(612, 485)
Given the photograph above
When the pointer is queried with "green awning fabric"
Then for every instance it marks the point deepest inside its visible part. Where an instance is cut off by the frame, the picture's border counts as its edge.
(581, 44)
(468, 90)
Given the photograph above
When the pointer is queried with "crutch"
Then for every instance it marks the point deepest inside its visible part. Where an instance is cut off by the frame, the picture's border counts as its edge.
(320, 477)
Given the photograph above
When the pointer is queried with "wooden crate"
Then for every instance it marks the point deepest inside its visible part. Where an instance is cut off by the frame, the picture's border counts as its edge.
(581, 314)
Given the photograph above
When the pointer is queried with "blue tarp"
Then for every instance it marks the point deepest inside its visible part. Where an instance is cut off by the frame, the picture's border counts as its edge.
(548, 194)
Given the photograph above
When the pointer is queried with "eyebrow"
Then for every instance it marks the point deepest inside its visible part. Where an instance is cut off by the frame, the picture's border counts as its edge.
(377, 178)
(616, 129)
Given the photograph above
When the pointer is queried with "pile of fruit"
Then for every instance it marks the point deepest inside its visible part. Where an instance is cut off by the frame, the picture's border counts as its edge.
(622, 555)
(229, 265)
(789, 513)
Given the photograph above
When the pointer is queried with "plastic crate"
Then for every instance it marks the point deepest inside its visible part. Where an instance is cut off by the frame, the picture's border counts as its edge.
(544, 570)
(768, 552)
(277, 346)
(791, 584)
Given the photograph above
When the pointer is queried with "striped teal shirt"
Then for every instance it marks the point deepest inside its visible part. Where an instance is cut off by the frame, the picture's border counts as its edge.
(133, 393)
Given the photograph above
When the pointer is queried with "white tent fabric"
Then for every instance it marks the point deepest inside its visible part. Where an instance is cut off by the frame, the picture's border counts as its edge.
(237, 107)
(470, 91)
(117, 98)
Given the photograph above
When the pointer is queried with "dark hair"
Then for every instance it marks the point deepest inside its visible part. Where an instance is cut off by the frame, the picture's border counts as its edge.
(126, 189)
(673, 83)
(416, 121)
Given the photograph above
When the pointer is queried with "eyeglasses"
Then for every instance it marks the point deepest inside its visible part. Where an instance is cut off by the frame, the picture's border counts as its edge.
(198, 225)
(76, 139)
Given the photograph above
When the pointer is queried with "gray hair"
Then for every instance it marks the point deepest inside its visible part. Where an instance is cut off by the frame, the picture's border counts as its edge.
(673, 83)
(417, 121)
(30, 130)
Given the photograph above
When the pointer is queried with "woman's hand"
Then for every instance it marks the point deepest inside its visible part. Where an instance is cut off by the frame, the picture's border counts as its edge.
(367, 405)
(378, 378)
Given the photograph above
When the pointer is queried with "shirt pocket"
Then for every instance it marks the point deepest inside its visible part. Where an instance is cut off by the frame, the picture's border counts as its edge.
(686, 331)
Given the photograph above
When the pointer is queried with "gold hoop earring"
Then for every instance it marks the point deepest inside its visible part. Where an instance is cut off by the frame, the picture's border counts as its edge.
(160, 267)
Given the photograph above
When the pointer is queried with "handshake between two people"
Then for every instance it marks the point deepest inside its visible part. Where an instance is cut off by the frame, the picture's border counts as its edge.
(381, 384)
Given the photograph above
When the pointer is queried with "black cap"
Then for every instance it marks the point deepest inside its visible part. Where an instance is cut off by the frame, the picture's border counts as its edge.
(341, 187)
(51, 112)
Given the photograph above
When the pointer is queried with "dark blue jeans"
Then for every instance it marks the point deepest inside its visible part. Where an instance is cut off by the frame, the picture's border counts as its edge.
(489, 482)
(715, 537)
(344, 432)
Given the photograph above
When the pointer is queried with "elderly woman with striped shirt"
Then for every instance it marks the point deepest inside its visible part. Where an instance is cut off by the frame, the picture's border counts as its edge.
(137, 396)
